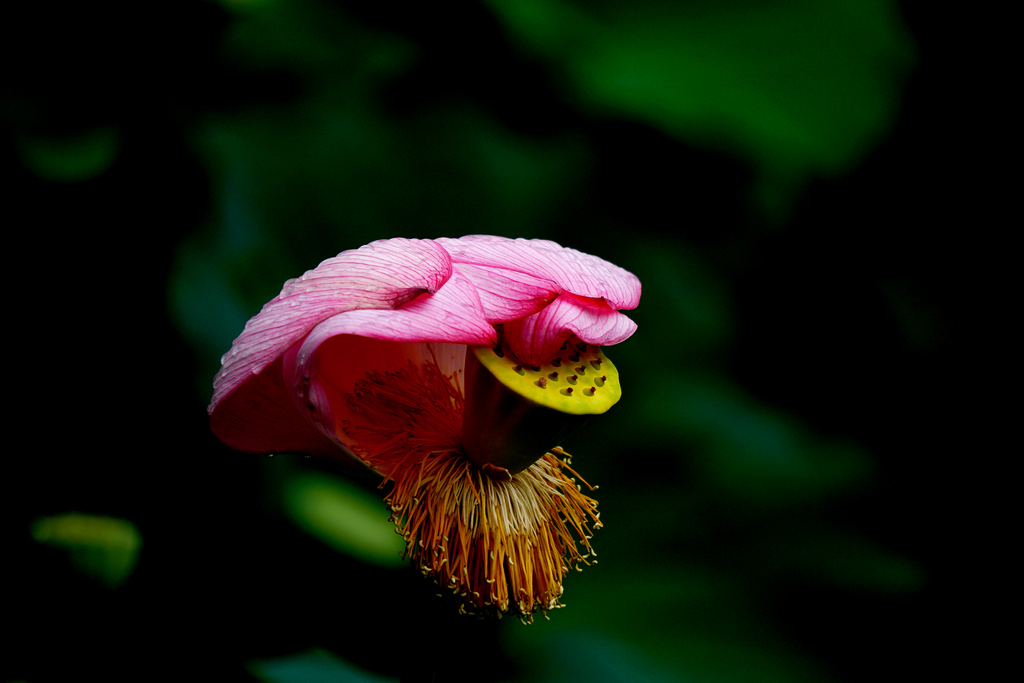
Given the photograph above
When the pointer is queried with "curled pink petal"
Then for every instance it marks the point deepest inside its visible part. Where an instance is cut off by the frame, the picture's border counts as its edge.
(507, 295)
(571, 270)
(380, 275)
(453, 314)
(536, 338)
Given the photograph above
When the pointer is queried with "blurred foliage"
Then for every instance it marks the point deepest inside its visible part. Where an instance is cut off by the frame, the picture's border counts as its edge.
(73, 158)
(316, 666)
(776, 484)
(798, 87)
(344, 516)
(103, 548)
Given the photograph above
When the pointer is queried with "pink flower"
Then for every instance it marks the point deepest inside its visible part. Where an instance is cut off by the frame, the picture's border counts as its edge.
(449, 366)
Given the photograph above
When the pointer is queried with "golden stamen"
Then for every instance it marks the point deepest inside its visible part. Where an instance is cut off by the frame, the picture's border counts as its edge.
(516, 538)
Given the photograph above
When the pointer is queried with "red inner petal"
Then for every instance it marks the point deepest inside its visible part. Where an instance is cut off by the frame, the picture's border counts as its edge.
(391, 403)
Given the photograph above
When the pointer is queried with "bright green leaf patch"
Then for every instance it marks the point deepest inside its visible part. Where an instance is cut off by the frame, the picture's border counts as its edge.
(102, 548)
(345, 517)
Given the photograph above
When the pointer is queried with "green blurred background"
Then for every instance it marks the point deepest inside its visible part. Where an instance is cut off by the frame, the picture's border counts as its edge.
(783, 484)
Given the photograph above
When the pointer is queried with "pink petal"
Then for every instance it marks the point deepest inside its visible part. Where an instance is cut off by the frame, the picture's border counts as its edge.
(260, 416)
(453, 314)
(380, 275)
(536, 338)
(507, 295)
(571, 270)
(277, 410)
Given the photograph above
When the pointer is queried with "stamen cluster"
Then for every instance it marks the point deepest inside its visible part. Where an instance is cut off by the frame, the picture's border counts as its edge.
(498, 546)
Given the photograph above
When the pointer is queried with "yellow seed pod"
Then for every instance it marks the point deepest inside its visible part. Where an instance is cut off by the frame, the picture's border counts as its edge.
(580, 380)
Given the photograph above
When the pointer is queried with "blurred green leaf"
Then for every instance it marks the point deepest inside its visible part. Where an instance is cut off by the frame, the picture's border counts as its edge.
(798, 87)
(332, 168)
(833, 558)
(71, 158)
(314, 666)
(333, 173)
(345, 517)
(206, 308)
(657, 623)
(684, 300)
(103, 548)
(751, 453)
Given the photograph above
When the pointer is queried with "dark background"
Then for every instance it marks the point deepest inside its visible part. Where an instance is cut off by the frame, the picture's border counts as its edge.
(789, 486)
